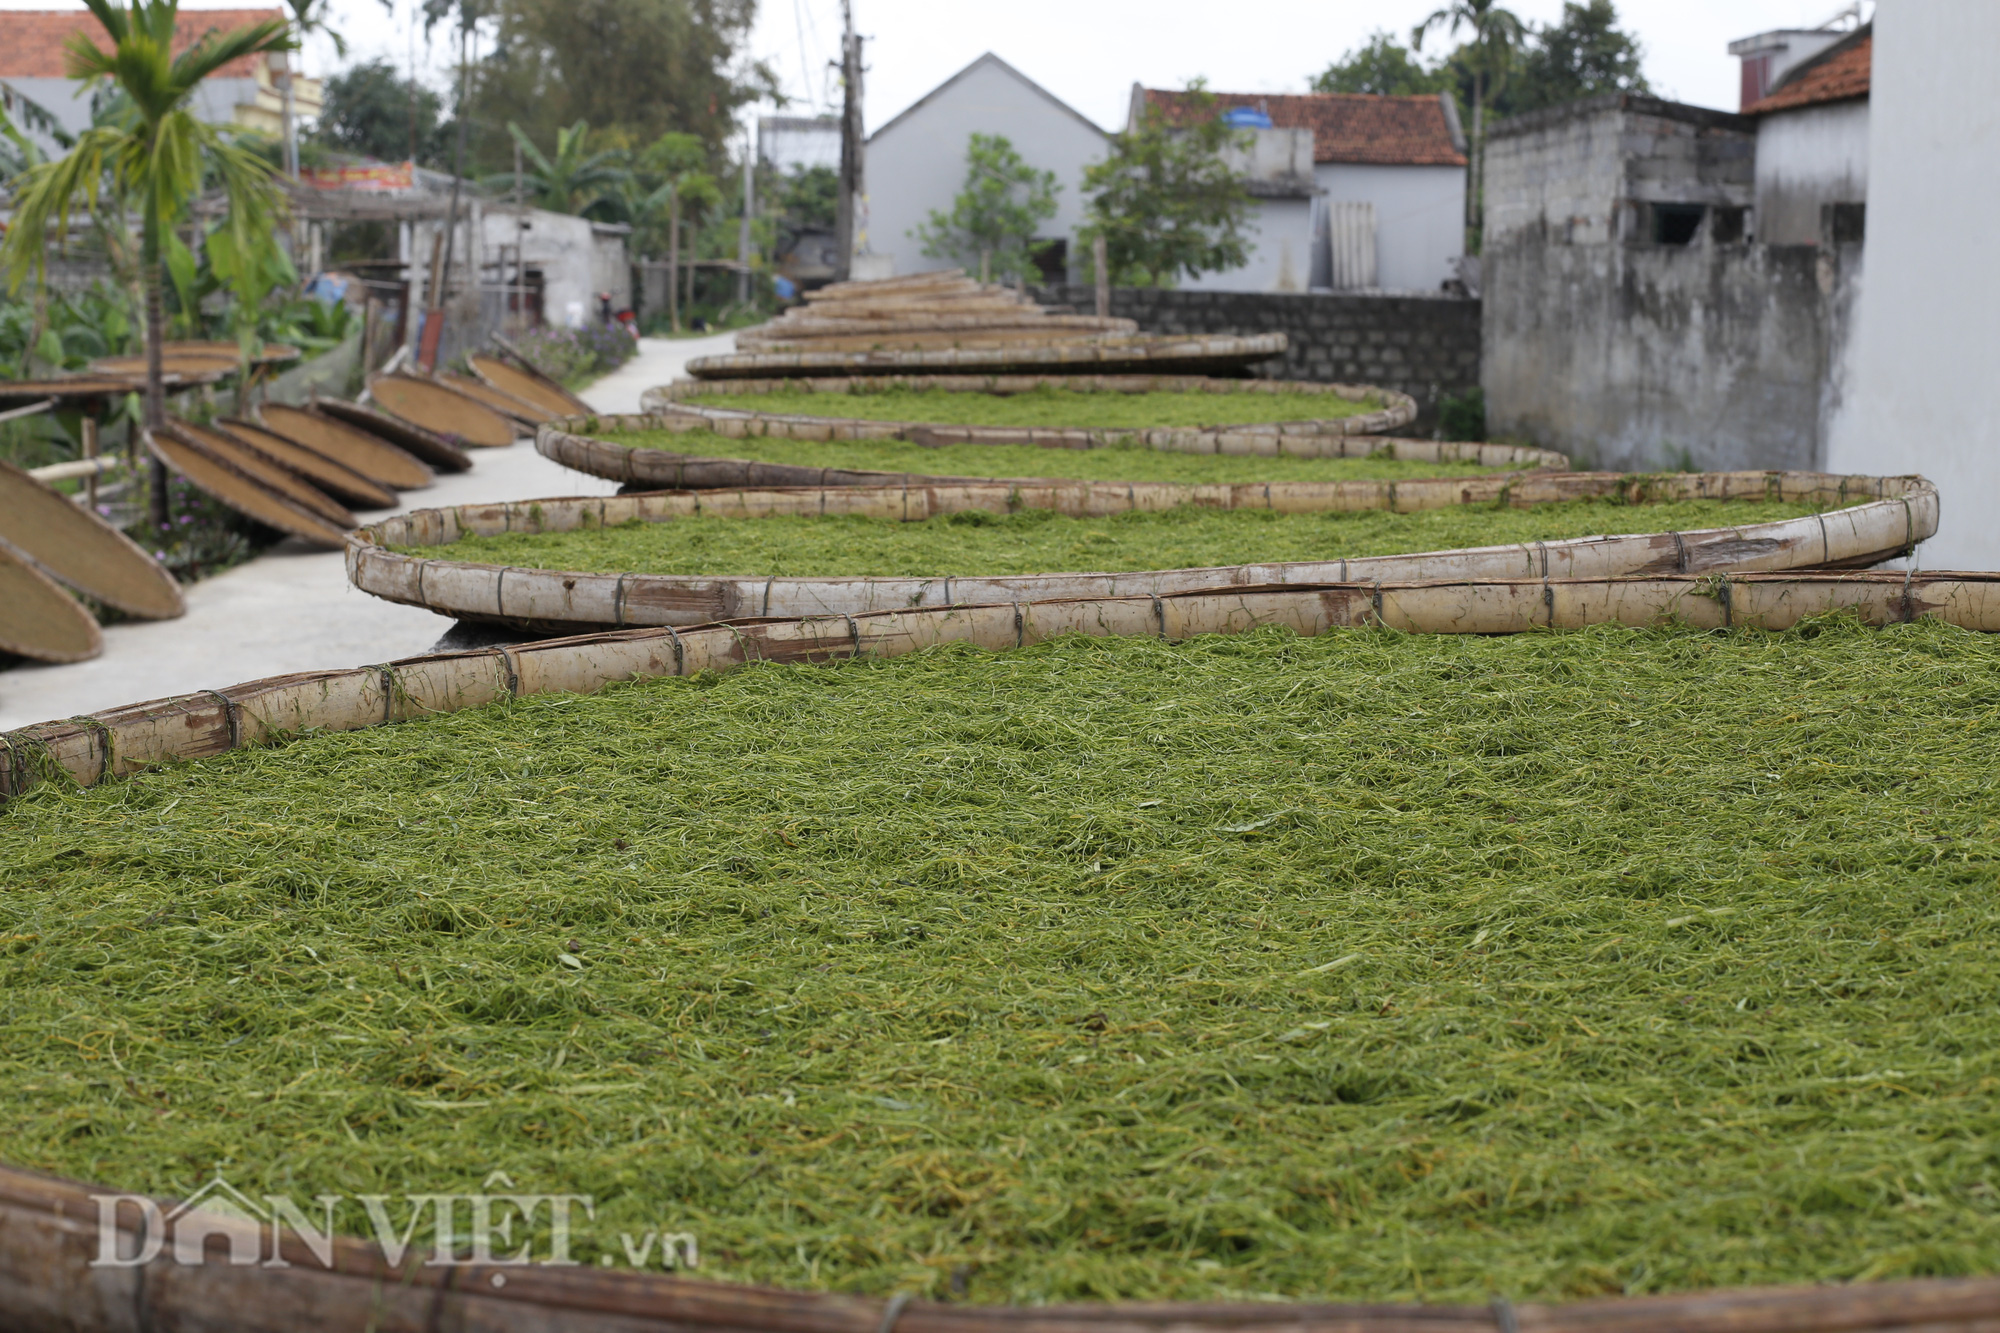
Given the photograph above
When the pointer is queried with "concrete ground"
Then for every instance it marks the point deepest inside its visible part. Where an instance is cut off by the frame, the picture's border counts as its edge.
(291, 609)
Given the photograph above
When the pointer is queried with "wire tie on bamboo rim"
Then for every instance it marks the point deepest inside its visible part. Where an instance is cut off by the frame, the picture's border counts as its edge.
(767, 593)
(1728, 608)
(513, 670)
(1018, 636)
(1549, 602)
(103, 746)
(500, 593)
(1160, 614)
(854, 632)
(1503, 1315)
(680, 654)
(618, 601)
(1681, 551)
(1909, 528)
(947, 590)
(1909, 608)
(1378, 604)
(228, 716)
(388, 694)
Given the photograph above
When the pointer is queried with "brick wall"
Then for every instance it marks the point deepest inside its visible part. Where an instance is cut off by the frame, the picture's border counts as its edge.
(1425, 346)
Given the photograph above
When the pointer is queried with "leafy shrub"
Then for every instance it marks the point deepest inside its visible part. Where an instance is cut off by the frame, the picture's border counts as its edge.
(570, 355)
(1463, 416)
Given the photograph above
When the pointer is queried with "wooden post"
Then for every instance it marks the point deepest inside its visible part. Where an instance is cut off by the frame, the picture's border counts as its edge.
(90, 451)
(674, 259)
(1100, 262)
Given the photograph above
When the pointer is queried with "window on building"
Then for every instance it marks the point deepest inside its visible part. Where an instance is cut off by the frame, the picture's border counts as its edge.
(1728, 226)
(1677, 224)
(1843, 224)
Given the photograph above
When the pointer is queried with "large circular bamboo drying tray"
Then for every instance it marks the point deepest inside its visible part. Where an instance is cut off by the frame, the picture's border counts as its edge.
(122, 741)
(370, 455)
(49, 1281)
(219, 476)
(242, 458)
(1396, 410)
(446, 411)
(425, 445)
(38, 620)
(1882, 517)
(518, 409)
(1190, 354)
(518, 379)
(49, 1228)
(337, 480)
(81, 550)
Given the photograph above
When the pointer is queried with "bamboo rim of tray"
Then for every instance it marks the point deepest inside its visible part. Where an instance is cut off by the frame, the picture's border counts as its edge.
(574, 443)
(1396, 410)
(1187, 352)
(49, 1236)
(1894, 514)
(121, 741)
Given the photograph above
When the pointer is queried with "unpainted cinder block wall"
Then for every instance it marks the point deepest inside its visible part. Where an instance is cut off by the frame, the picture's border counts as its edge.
(1427, 347)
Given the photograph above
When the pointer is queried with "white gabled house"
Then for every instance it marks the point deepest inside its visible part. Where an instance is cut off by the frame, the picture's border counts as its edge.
(916, 163)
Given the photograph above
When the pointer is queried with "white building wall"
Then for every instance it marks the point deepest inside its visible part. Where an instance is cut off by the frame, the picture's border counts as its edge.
(564, 248)
(1918, 395)
(916, 163)
(1279, 237)
(69, 102)
(1419, 219)
(1815, 155)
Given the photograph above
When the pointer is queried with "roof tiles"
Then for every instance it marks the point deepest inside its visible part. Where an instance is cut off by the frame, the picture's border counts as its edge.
(1841, 75)
(32, 40)
(1347, 127)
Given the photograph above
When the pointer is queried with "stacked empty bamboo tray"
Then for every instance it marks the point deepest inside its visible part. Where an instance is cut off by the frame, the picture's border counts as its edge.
(944, 322)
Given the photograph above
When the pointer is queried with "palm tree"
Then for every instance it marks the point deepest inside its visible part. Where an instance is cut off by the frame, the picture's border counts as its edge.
(308, 17)
(153, 158)
(1496, 32)
(574, 179)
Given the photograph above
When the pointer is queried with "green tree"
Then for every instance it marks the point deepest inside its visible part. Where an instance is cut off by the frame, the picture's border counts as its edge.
(153, 159)
(1582, 56)
(636, 68)
(307, 17)
(1383, 66)
(993, 221)
(575, 180)
(808, 196)
(1165, 199)
(1496, 36)
(373, 110)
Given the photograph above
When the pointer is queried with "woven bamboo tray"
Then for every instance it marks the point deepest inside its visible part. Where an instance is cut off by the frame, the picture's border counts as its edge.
(1893, 514)
(122, 741)
(1396, 411)
(48, 1240)
(572, 442)
(1193, 354)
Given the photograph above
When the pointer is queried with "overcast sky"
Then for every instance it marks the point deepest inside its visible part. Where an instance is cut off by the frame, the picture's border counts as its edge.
(1089, 52)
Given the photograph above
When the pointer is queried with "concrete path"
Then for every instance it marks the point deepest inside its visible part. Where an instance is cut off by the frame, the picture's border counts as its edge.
(291, 609)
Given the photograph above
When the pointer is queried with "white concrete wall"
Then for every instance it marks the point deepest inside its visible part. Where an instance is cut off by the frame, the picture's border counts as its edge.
(561, 246)
(916, 163)
(69, 102)
(1419, 220)
(1927, 330)
(1815, 155)
(1279, 237)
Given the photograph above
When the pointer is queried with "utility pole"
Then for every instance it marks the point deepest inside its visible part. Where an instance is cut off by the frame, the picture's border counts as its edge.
(743, 230)
(852, 180)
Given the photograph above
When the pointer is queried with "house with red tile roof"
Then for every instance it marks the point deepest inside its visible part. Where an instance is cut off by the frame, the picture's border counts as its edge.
(1812, 146)
(245, 92)
(1354, 191)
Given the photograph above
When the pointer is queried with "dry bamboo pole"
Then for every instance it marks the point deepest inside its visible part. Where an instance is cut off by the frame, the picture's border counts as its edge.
(573, 443)
(121, 741)
(49, 1240)
(1884, 517)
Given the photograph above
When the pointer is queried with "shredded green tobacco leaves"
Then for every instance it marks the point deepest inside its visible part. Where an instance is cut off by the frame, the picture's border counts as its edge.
(1366, 966)
(1037, 540)
(1049, 406)
(1112, 462)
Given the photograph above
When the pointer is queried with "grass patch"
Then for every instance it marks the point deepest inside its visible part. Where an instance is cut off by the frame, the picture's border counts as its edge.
(1113, 462)
(1038, 540)
(1048, 405)
(1370, 966)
